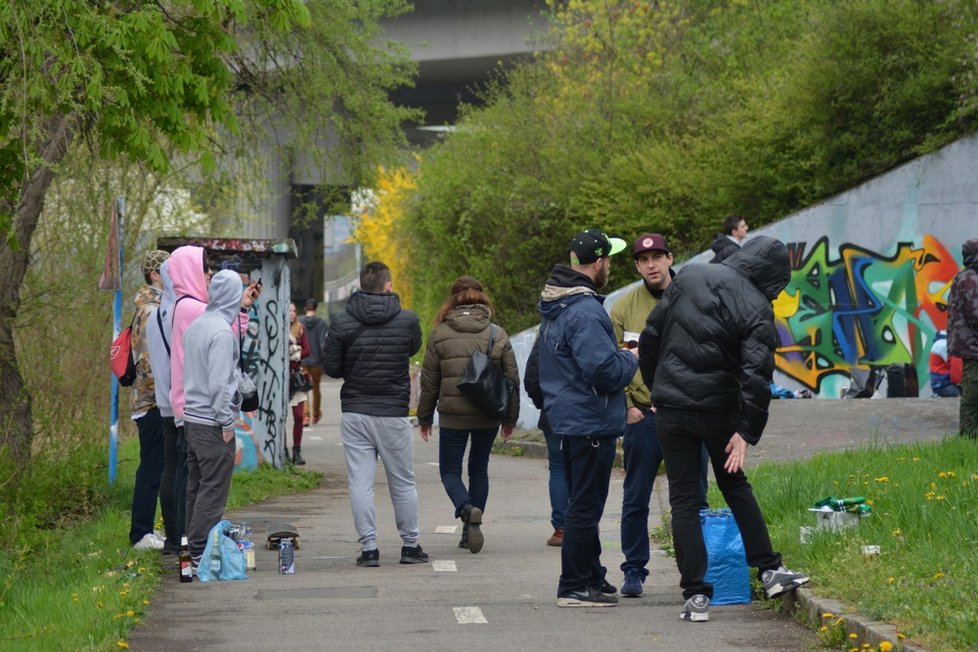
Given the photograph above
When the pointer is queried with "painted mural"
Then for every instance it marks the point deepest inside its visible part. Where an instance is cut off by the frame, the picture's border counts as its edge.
(861, 308)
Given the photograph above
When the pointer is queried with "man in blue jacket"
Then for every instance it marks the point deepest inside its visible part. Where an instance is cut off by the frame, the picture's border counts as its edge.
(583, 375)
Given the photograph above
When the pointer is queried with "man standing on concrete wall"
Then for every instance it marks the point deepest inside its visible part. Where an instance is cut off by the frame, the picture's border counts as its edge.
(962, 334)
(728, 243)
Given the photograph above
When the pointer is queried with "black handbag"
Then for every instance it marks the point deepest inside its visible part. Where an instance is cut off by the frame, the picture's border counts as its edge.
(298, 382)
(484, 384)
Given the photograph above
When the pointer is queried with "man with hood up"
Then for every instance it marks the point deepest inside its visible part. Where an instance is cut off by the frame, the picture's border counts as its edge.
(210, 377)
(707, 352)
(582, 376)
(962, 335)
(370, 347)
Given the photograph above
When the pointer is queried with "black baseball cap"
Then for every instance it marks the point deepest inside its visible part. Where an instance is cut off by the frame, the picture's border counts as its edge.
(591, 244)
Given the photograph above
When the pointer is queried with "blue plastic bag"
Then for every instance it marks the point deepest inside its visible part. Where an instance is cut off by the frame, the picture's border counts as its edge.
(726, 562)
(222, 560)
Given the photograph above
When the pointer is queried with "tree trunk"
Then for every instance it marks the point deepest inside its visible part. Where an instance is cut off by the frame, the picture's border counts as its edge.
(16, 423)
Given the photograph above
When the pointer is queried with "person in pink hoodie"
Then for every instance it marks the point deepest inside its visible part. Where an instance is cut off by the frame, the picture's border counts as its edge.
(190, 275)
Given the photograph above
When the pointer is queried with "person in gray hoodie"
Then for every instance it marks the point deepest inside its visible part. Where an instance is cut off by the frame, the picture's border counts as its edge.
(210, 378)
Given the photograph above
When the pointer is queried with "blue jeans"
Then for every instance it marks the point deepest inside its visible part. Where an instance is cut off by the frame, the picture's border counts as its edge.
(588, 462)
(180, 483)
(146, 490)
(643, 457)
(682, 434)
(558, 479)
(451, 450)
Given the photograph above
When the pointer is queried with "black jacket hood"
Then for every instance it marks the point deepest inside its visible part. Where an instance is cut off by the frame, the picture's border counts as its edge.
(370, 308)
(763, 260)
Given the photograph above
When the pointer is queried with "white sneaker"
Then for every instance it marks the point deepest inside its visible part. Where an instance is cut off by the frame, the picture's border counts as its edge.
(148, 542)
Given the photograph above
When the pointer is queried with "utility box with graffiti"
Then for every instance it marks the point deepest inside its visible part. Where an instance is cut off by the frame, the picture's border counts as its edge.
(265, 343)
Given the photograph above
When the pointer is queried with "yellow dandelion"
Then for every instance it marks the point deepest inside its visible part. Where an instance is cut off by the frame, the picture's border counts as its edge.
(886, 646)
(141, 569)
(897, 532)
(883, 479)
(869, 501)
(890, 580)
(130, 613)
(901, 635)
(130, 563)
(146, 602)
(916, 458)
(866, 646)
(124, 592)
(823, 628)
(938, 575)
(828, 614)
(74, 597)
(840, 620)
(122, 644)
(853, 635)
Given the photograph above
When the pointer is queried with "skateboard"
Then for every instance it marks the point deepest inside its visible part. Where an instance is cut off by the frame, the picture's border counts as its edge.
(282, 531)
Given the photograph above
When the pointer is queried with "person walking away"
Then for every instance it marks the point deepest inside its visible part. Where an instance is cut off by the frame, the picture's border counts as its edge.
(145, 412)
(370, 346)
(557, 478)
(707, 352)
(298, 349)
(962, 335)
(729, 241)
(157, 341)
(191, 275)
(312, 363)
(640, 444)
(945, 369)
(211, 350)
(583, 375)
(464, 325)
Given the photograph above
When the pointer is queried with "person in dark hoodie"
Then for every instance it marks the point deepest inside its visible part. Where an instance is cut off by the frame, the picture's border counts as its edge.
(312, 364)
(212, 402)
(583, 375)
(370, 347)
(707, 352)
(728, 243)
(962, 335)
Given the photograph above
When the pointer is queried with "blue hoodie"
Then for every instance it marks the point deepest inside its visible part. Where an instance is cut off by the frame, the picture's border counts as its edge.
(210, 357)
(583, 373)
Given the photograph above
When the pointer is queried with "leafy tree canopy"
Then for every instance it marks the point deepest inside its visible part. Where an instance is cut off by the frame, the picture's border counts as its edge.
(668, 115)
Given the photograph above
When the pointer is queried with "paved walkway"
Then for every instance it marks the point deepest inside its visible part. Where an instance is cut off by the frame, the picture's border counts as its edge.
(500, 599)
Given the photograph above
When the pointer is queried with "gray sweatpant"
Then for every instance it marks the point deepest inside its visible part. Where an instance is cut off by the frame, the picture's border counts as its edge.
(366, 437)
(210, 463)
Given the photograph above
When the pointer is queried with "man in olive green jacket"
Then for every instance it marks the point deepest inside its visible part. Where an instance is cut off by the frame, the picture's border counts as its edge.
(642, 454)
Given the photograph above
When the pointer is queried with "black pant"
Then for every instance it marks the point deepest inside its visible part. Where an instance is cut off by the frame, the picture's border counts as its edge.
(180, 482)
(173, 528)
(682, 433)
(147, 487)
(587, 463)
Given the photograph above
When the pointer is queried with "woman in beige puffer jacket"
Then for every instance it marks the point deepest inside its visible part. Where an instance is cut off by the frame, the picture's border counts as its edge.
(462, 326)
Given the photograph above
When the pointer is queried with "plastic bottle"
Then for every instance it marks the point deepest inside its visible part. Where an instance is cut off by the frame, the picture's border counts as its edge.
(286, 557)
(186, 571)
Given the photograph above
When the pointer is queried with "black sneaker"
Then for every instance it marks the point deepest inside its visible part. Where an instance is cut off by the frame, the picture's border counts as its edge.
(781, 580)
(589, 598)
(606, 587)
(413, 555)
(696, 609)
(369, 558)
(472, 516)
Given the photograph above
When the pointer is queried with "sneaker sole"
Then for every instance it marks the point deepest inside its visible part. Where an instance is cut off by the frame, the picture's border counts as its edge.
(625, 593)
(413, 560)
(781, 589)
(369, 563)
(694, 617)
(574, 602)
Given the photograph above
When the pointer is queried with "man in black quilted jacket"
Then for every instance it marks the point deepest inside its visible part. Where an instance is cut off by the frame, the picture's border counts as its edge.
(370, 348)
(707, 352)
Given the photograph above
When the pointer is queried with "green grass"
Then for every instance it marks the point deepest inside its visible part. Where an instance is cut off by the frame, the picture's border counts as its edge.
(925, 518)
(83, 587)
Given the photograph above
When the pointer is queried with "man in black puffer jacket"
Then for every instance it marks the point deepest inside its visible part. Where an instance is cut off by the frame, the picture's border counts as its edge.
(707, 352)
(370, 348)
